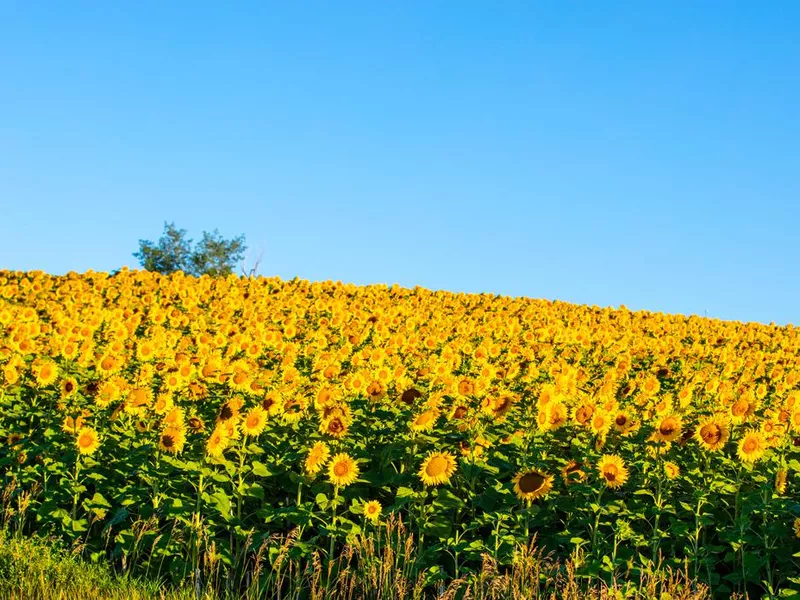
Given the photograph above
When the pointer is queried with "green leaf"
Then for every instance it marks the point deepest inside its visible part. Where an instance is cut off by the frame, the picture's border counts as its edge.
(221, 502)
(447, 499)
(404, 492)
(255, 491)
(260, 469)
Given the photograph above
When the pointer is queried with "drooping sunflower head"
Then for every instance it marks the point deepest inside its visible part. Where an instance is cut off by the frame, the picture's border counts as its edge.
(437, 468)
(583, 413)
(316, 458)
(612, 470)
(573, 472)
(217, 441)
(342, 470)
(228, 411)
(668, 428)
(780, 481)
(532, 484)
(425, 420)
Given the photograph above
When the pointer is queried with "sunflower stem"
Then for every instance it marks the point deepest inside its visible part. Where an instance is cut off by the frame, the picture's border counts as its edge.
(333, 520)
(75, 492)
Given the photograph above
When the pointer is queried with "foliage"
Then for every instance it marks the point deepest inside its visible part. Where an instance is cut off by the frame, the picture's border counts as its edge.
(177, 426)
(32, 567)
(379, 566)
(213, 255)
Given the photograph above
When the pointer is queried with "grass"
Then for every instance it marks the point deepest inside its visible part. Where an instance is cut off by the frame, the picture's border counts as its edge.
(34, 567)
(379, 567)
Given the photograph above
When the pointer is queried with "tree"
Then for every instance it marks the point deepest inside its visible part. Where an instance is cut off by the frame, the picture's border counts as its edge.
(213, 255)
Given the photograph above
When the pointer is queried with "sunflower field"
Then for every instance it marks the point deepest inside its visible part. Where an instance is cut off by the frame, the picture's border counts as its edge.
(168, 423)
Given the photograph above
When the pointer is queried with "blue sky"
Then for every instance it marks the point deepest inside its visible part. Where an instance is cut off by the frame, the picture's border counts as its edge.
(637, 153)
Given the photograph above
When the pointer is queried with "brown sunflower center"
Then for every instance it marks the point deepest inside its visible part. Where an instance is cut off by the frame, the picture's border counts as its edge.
(710, 433)
(531, 482)
(739, 408)
(583, 414)
(341, 469)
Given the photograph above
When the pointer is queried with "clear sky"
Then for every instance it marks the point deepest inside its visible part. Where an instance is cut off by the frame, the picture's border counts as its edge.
(637, 153)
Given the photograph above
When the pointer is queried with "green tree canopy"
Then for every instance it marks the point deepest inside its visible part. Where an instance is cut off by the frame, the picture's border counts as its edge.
(213, 255)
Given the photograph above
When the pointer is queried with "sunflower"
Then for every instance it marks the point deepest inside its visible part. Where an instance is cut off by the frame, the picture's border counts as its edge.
(712, 433)
(172, 440)
(255, 421)
(217, 441)
(68, 387)
(87, 441)
(780, 481)
(343, 470)
(425, 420)
(532, 484)
(437, 468)
(334, 426)
(671, 470)
(45, 373)
(743, 408)
(572, 472)
(623, 422)
(794, 420)
(752, 446)
(372, 510)
(72, 425)
(600, 423)
(500, 406)
(108, 392)
(229, 410)
(582, 413)
(164, 403)
(317, 457)
(196, 424)
(552, 416)
(668, 429)
(174, 418)
(612, 470)
(10, 374)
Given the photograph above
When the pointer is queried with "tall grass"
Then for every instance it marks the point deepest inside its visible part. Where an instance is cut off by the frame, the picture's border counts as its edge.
(381, 565)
